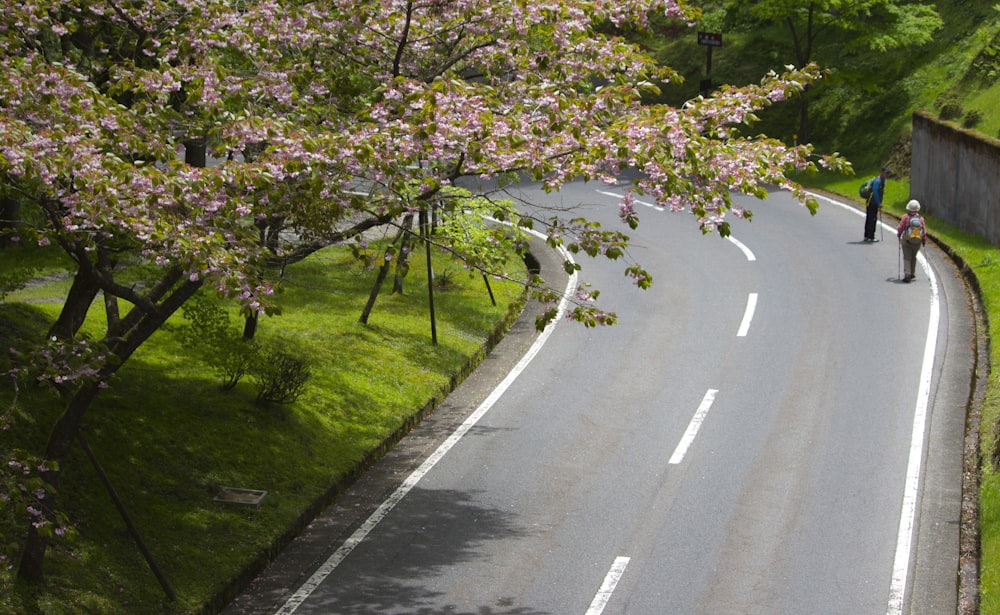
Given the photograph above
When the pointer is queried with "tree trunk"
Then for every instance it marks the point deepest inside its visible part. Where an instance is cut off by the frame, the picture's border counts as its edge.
(195, 152)
(804, 117)
(402, 264)
(383, 272)
(250, 326)
(138, 326)
(31, 569)
(74, 312)
(802, 45)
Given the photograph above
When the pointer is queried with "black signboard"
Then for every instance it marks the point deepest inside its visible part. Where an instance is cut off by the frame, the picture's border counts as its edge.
(711, 39)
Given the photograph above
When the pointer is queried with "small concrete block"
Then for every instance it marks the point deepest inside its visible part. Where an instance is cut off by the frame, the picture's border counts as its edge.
(234, 495)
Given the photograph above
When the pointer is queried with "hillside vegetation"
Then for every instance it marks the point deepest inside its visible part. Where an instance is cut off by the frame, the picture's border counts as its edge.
(863, 109)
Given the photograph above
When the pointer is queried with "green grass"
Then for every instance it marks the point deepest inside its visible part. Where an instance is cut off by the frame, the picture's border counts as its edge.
(989, 526)
(170, 438)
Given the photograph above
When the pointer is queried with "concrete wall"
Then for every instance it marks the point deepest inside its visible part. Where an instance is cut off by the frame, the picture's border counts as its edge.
(955, 174)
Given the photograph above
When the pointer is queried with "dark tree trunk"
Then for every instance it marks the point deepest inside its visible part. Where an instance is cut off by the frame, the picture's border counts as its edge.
(136, 328)
(402, 263)
(194, 152)
(802, 45)
(804, 117)
(269, 235)
(32, 567)
(79, 299)
(123, 337)
(250, 326)
(383, 273)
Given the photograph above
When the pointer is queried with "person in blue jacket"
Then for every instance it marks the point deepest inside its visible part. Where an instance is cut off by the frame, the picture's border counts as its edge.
(874, 204)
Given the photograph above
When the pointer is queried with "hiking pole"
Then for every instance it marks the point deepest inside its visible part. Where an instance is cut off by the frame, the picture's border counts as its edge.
(881, 228)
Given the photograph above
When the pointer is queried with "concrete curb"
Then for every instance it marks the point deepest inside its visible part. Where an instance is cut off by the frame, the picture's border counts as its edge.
(969, 544)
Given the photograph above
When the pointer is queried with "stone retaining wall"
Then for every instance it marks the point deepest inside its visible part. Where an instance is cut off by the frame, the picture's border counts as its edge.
(955, 174)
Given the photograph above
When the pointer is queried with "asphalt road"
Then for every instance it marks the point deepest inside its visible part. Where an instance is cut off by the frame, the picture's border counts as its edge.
(775, 427)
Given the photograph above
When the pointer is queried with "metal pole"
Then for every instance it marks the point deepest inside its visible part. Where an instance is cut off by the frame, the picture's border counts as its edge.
(430, 272)
(489, 289)
(706, 84)
(132, 529)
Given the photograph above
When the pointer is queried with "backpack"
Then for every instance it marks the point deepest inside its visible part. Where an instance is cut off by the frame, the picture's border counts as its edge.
(915, 232)
(865, 191)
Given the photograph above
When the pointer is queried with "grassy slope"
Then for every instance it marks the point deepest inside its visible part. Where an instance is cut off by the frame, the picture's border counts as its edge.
(170, 438)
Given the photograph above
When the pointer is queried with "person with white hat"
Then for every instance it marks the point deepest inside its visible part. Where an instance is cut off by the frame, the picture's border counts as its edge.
(912, 233)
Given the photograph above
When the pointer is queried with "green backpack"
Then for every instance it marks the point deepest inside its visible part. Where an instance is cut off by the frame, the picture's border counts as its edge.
(866, 188)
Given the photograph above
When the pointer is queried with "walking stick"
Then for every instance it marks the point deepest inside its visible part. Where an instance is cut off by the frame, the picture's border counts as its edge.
(880, 227)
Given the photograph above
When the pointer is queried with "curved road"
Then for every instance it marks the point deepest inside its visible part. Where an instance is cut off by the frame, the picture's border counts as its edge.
(775, 427)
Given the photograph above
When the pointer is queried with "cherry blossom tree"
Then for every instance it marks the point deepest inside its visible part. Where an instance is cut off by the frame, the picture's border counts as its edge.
(205, 139)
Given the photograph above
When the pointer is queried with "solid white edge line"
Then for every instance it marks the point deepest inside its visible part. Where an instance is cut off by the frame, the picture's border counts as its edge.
(693, 427)
(911, 490)
(911, 486)
(748, 315)
(736, 242)
(608, 587)
(853, 210)
(321, 573)
(619, 196)
(746, 251)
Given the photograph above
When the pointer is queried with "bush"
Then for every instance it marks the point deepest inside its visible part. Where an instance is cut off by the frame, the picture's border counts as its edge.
(950, 111)
(972, 118)
(219, 343)
(233, 358)
(444, 280)
(280, 377)
(14, 279)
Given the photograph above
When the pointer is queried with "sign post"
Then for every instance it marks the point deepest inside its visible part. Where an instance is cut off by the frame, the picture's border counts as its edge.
(710, 40)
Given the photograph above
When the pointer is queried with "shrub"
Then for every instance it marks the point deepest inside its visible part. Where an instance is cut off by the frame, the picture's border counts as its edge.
(444, 280)
(232, 360)
(972, 118)
(219, 343)
(280, 377)
(950, 111)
